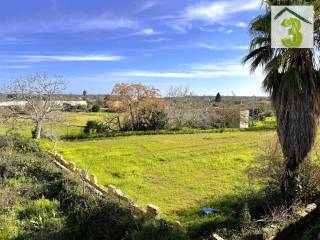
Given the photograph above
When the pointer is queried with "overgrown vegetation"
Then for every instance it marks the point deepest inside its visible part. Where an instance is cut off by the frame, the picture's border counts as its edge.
(38, 201)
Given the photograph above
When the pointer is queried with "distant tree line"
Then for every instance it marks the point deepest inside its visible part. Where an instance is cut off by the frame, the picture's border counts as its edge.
(138, 107)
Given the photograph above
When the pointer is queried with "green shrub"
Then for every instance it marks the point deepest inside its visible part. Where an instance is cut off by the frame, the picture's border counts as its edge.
(19, 144)
(77, 108)
(40, 207)
(8, 226)
(268, 170)
(95, 108)
(94, 127)
(160, 231)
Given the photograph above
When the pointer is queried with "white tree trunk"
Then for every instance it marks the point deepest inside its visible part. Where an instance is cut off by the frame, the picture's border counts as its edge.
(37, 130)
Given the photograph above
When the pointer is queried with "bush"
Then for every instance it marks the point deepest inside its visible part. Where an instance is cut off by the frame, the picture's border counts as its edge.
(146, 119)
(8, 227)
(40, 207)
(78, 108)
(160, 231)
(40, 215)
(260, 113)
(95, 108)
(90, 126)
(94, 127)
(268, 170)
(19, 144)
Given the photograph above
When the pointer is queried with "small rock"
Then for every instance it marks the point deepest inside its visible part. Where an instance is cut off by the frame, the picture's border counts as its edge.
(216, 237)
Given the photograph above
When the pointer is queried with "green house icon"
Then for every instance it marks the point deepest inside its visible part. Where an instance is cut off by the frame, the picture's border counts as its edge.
(286, 9)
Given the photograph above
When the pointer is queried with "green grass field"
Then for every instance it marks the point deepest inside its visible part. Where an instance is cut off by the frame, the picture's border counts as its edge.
(178, 173)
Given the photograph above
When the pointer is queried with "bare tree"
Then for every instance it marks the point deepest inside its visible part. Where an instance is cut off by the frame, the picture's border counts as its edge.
(36, 98)
(185, 109)
(179, 100)
(141, 105)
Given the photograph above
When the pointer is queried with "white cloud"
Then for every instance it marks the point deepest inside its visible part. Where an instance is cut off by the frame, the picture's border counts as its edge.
(103, 23)
(216, 47)
(215, 29)
(210, 12)
(216, 11)
(196, 71)
(157, 40)
(11, 39)
(180, 25)
(207, 11)
(241, 24)
(70, 23)
(67, 58)
(147, 5)
(15, 67)
(249, 5)
(148, 32)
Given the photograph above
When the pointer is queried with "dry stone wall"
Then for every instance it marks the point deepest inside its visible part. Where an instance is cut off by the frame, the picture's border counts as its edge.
(152, 211)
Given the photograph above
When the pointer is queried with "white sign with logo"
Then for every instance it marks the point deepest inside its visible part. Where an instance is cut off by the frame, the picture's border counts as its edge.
(292, 26)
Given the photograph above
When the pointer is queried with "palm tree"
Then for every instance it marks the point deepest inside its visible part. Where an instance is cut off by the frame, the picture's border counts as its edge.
(293, 81)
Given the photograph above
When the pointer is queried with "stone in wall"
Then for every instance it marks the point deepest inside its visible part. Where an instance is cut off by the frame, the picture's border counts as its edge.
(112, 189)
(118, 194)
(84, 174)
(305, 211)
(270, 232)
(215, 236)
(153, 211)
(72, 166)
(64, 163)
(124, 199)
(58, 157)
(93, 179)
(102, 189)
(137, 210)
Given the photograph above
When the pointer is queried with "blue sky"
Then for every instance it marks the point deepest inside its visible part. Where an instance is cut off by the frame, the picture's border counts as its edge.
(95, 44)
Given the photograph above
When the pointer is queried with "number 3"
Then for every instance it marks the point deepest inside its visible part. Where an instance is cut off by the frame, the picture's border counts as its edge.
(296, 37)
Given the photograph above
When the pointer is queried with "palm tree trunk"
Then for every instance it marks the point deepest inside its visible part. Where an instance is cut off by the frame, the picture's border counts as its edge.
(291, 185)
(297, 118)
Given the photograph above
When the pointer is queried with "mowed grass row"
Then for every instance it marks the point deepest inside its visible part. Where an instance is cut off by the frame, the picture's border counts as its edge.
(178, 173)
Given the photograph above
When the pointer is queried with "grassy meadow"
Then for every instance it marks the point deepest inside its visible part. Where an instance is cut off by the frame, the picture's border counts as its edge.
(178, 173)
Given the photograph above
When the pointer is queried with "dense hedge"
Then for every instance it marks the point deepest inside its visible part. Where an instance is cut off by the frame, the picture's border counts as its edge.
(39, 201)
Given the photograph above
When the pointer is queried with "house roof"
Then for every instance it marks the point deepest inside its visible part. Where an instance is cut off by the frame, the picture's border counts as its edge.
(286, 9)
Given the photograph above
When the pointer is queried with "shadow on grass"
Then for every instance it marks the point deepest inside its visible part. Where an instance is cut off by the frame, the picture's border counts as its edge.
(199, 224)
(228, 216)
